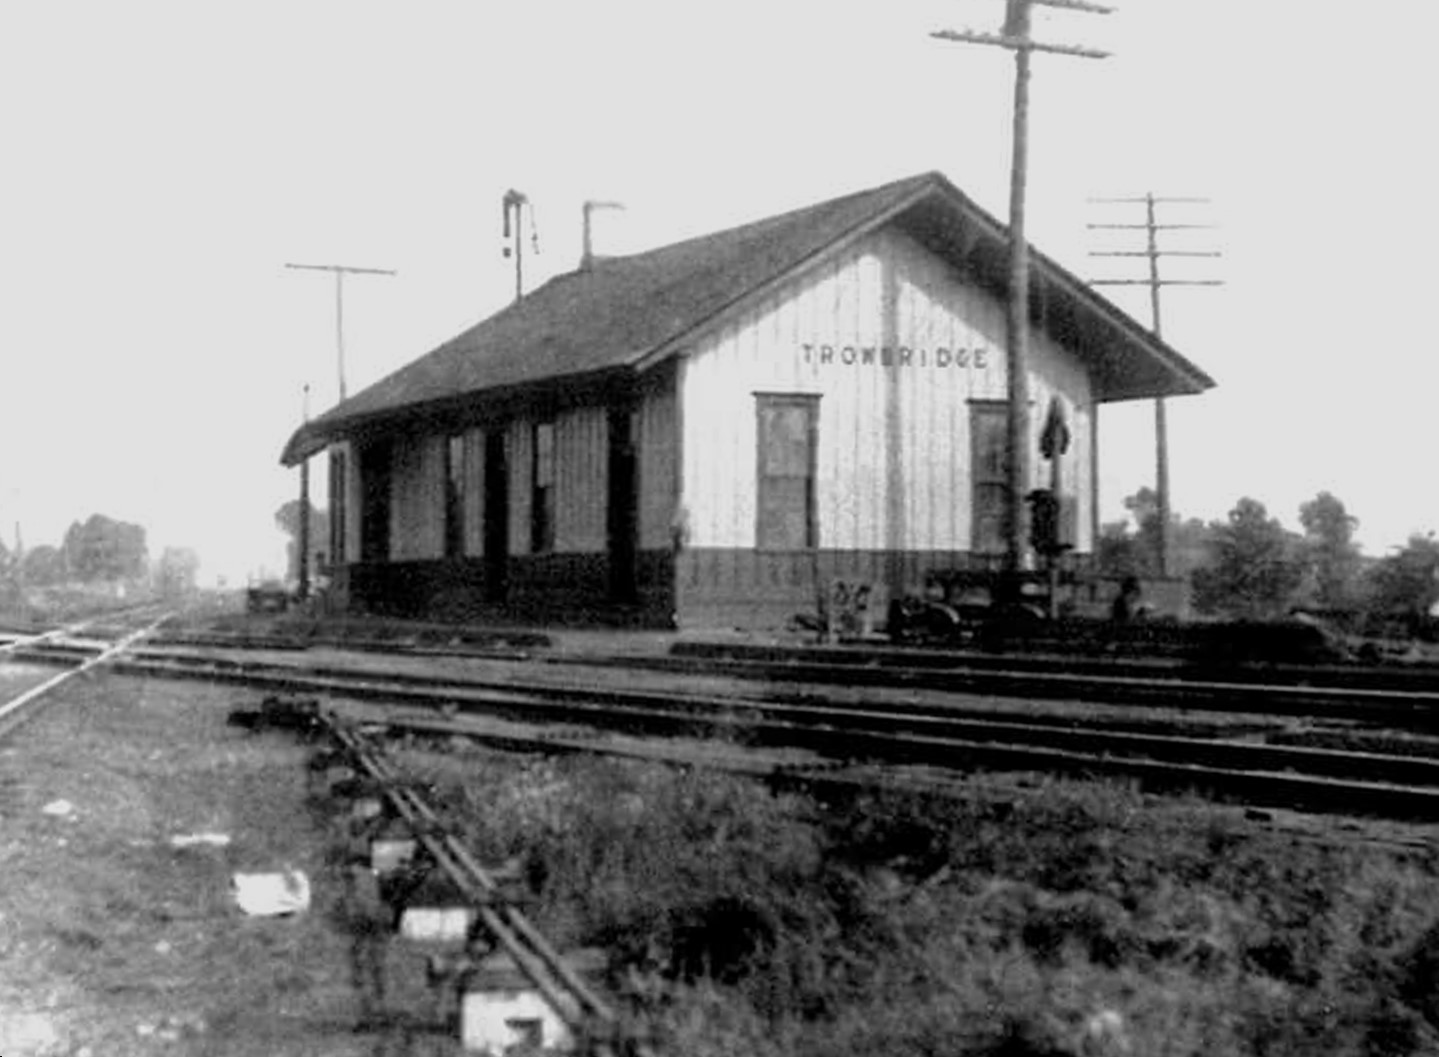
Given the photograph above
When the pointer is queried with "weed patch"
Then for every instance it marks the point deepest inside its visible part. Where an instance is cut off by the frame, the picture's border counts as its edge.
(1062, 919)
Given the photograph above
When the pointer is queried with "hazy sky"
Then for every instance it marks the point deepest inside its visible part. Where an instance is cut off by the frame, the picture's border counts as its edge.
(162, 162)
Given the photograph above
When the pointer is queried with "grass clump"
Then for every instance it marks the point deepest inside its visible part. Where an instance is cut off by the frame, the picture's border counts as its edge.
(1064, 919)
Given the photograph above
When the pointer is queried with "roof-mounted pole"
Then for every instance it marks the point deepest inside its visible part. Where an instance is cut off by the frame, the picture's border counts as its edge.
(587, 257)
(1014, 35)
(1152, 251)
(513, 205)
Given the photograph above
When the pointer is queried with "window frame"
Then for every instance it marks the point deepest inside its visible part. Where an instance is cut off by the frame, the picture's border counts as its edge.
(809, 404)
(983, 482)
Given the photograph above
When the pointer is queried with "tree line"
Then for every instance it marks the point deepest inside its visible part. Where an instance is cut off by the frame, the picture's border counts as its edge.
(100, 550)
(1248, 565)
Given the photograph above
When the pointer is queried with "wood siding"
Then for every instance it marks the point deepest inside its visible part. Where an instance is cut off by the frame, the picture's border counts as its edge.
(417, 498)
(581, 480)
(659, 467)
(893, 458)
(352, 500)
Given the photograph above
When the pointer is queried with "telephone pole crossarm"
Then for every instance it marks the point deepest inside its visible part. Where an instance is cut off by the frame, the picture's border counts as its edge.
(340, 271)
(1153, 253)
(1156, 282)
(1014, 44)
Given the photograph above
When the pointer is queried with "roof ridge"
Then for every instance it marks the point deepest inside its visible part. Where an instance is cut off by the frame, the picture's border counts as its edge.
(773, 219)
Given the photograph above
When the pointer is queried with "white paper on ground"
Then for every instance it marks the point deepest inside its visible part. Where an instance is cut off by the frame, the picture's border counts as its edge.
(272, 894)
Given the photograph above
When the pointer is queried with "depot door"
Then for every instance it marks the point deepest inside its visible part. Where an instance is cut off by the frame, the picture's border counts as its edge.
(623, 504)
(497, 516)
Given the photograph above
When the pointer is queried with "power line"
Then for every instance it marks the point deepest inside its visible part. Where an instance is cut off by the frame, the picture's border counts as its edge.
(340, 271)
(1153, 254)
(1015, 36)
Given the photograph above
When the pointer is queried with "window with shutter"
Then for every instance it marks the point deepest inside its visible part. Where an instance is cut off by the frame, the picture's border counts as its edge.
(989, 474)
(542, 498)
(785, 510)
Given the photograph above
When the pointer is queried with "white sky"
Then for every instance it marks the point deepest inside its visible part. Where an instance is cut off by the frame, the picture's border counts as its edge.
(162, 161)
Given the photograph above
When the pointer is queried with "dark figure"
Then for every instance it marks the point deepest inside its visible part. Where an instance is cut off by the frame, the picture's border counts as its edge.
(1126, 604)
(369, 922)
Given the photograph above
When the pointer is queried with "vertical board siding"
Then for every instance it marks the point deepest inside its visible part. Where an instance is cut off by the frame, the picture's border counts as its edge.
(658, 469)
(474, 493)
(519, 445)
(351, 541)
(581, 481)
(893, 454)
(417, 499)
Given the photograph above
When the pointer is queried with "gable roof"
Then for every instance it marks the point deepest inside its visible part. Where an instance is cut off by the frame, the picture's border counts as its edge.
(624, 314)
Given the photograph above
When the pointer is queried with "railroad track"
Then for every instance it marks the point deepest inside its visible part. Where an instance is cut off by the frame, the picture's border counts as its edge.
(958, 735)
(590, 1017)
(116, 639)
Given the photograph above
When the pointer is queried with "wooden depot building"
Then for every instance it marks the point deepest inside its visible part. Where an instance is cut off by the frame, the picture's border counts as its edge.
(707, 433)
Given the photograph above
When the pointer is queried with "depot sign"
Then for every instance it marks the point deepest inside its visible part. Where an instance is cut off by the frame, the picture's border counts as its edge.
(895, 356)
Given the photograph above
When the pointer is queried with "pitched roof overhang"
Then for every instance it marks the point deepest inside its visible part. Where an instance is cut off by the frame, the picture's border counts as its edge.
(591, 330)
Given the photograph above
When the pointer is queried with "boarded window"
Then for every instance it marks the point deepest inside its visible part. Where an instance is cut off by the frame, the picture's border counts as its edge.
(989, 440)
(542, 496)
(455, 496)
(786, 501)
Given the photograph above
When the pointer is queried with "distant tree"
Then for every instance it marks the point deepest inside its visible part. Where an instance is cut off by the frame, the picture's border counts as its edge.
(1407, 581)
(1122, 552)
(1118, 553)
(105, 549)
(288, 519)
(42, 566)
(1329, 551)
(175, 571)
(1253, 570)
(1143, 507)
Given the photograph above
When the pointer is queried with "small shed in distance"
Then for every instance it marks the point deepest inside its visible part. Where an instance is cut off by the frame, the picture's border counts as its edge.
(702, 434)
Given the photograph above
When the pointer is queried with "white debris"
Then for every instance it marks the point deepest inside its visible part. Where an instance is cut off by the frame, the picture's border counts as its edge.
(1105, 1035)
(192, 840)
(27, 1033)
(272, 894)
(58, 809)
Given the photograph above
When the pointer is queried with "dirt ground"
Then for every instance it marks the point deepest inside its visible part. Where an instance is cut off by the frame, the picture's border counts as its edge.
(114, 940)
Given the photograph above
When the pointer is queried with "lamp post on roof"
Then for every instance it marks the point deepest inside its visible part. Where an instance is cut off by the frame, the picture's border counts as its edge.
(513, 205)
(1015, 36)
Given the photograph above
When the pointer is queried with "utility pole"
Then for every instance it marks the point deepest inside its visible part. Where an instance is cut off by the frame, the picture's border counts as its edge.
(303, 587)
(1015, 36)
(340, 271)
(513, 205)
(1151, 227)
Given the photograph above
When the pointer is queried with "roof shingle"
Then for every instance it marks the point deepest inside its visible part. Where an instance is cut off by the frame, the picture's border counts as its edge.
(625, 312)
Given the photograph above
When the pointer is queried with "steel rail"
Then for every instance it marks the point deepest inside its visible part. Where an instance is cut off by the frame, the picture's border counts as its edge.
(11, 714)
(545, 967)
(794, 722)
(31, 641)
(848, 732)
(1256, 771)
